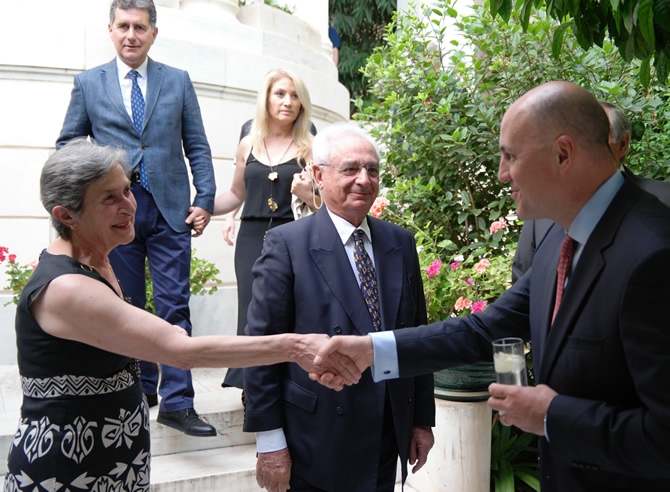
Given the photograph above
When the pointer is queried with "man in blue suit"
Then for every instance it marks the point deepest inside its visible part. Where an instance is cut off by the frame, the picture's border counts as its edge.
(601, 349)
(307, 280)
(151, 110)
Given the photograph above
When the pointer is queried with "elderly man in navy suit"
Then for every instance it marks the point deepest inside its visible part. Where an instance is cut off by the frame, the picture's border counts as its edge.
(151, 110)
(596, 319)
(337, 272)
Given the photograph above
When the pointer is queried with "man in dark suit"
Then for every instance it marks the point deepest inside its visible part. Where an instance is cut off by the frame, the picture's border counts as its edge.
(151, 110)
(306, 281)
(533, 231)
(600, 354)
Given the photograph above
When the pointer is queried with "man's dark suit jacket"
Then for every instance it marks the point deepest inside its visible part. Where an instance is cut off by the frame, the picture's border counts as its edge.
(607, 353)
(303, 283)
(533, 231)
(172, 127)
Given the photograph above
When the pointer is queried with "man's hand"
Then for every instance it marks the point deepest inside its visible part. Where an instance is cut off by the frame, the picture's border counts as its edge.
(356, 348)
(341, 368)
(422, 442)
(273, 470)
(523, 406)
(199, 219)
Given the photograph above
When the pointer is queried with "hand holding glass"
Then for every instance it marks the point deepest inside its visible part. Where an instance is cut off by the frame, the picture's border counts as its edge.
(509, 361)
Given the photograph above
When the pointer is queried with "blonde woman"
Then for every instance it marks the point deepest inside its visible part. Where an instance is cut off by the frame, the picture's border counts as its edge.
(269, 168)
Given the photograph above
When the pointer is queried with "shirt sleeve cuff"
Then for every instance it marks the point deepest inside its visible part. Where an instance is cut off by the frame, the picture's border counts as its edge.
(546, 434)
(385, 356)
(270, 441)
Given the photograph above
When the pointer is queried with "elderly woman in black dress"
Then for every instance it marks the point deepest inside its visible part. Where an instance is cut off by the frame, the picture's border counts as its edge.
(84, 420)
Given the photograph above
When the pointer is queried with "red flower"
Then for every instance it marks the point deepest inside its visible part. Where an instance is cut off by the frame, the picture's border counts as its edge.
(12, 258)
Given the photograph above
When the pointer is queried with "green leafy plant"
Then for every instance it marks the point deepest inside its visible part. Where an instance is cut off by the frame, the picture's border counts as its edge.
(17, 274)
(360, 24)
(203, 279)
(639, 28)
(514, 463)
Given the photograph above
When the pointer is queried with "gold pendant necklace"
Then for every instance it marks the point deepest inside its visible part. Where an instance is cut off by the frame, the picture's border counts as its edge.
(273, 175)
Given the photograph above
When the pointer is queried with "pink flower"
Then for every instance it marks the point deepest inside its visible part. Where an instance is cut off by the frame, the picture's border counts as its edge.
(482, 265)
(498, 225)
(455, 265)
(434, 269)
(33, 264)
(12, 258)
(3, 250)
(462, 303)
(469, 281)
(378, 206)
(478, 306)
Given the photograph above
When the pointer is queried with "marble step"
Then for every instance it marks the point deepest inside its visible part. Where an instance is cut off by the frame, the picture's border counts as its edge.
(231, 469)
(221, 408)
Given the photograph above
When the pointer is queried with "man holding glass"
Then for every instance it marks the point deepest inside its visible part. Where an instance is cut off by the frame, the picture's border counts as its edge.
(590, 304)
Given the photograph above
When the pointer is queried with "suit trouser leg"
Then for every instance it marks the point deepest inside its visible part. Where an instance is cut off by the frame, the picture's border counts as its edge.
(169, 255)
(388, 451)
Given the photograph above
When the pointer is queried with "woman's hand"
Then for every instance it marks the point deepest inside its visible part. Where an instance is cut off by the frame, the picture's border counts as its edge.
(228, 230)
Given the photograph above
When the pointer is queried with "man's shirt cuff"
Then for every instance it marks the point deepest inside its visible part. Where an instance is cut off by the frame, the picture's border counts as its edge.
(385, 364)
(270, 441)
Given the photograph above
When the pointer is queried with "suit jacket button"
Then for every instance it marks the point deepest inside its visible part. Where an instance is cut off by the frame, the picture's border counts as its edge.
(339, 410)
(403, 325)
(144, 146)
(337, 329)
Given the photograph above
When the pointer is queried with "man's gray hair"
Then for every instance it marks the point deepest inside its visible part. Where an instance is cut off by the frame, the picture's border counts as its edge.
(147, 5)
(321, 143)
(69, 172)
(619, 122)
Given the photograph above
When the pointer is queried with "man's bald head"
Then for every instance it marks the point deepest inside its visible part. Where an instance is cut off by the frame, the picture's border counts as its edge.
(555, 152)
(567, 108)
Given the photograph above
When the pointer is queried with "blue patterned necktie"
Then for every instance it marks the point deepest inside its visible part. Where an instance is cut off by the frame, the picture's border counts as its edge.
(137, 105)
(368, 278)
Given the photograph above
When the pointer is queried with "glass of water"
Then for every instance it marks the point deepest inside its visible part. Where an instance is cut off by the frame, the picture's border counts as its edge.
(509, 361)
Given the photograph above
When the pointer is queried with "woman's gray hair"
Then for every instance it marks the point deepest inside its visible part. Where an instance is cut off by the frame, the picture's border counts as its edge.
(69, 172)
(147, 5)
(321, 143)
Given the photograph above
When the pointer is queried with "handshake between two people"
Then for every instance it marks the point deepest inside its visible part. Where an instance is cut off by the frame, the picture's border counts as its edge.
(335, 362)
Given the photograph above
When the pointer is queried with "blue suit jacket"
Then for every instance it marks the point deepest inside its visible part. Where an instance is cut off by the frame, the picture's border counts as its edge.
(303, 283)
(607, 353)
(171, 119)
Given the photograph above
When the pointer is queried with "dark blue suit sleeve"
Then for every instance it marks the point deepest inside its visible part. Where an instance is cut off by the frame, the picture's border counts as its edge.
(197, 150)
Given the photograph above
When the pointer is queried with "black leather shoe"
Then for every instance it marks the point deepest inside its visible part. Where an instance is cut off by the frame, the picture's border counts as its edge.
(152, 400)
(188, 421)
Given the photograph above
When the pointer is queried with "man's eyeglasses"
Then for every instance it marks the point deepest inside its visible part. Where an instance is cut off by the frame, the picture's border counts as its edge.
(352, 170)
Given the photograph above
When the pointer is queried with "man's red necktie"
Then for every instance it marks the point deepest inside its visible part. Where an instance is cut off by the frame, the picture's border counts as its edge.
(564, 263)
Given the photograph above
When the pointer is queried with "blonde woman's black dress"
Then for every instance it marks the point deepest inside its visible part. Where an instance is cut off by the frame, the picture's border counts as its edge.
(257, 217)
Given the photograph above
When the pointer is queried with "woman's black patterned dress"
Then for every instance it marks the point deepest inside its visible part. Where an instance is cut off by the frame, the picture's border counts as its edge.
(84, 421)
